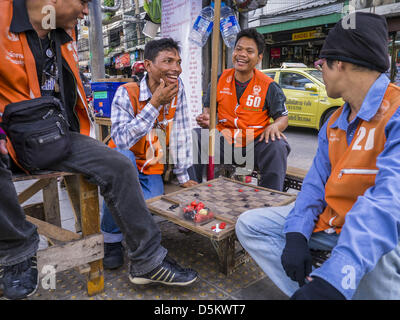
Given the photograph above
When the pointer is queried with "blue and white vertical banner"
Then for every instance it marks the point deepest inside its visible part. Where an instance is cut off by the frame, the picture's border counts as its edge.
(178, 17)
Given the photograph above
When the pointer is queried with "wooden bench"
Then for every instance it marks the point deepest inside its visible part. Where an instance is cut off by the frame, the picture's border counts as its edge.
(294, 178)
(83, 249)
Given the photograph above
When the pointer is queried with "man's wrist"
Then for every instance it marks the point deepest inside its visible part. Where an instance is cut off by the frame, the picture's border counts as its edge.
(155, 103)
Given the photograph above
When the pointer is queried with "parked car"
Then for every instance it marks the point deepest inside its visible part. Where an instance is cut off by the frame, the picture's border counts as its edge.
(306, 98)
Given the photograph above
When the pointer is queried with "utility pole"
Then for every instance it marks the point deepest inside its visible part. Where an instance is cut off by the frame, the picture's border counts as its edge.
(96, 41)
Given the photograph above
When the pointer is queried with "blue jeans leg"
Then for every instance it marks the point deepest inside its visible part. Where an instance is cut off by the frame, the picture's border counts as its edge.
(260, 231)
(151, 185)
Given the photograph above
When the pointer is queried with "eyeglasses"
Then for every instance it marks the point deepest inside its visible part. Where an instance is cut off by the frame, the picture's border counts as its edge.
(318, 64)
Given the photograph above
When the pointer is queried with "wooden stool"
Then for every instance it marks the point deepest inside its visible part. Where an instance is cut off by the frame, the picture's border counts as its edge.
(68, 249)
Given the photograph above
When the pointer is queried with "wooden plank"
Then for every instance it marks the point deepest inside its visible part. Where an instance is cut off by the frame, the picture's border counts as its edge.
(114, 80)
(72, 184)
(42, 175)
(53, 232)
(51, 203)
(35, 210)
(90, 222)
(32, 190)
(71, 254)
(296, 172)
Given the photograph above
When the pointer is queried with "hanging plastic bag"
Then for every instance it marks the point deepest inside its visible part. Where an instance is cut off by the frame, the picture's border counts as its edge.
(153, 9)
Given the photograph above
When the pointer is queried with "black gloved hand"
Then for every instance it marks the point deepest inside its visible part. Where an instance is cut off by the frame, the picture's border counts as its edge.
(296, 257)
(317, 289)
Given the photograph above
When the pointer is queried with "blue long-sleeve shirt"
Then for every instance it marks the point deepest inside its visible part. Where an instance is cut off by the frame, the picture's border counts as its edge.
(372, 226)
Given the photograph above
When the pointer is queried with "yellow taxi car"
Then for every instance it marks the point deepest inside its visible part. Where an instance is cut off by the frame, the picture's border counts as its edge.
(306, 98)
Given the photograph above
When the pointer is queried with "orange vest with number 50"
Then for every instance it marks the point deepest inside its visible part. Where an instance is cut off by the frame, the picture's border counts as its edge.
(236, 119)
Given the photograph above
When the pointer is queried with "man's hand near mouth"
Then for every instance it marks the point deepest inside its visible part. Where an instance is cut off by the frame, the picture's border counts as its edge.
(164, 93)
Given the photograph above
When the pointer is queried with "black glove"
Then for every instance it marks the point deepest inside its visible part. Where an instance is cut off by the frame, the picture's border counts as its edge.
(296, 257)
(318, 289)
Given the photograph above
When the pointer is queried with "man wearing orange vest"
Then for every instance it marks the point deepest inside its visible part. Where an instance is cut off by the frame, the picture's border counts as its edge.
(149, 122)
(247, 100)
(29, 70)
(349, 205)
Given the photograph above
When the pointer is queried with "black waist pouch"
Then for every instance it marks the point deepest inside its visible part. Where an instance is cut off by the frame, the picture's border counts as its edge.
(39, 132)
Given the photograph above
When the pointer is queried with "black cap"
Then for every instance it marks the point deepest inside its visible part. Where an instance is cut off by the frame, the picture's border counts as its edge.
(363, 43)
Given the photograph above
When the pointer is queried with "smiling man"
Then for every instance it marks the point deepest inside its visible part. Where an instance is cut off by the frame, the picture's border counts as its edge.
(148, 121)
(247, 100)
(29, 72)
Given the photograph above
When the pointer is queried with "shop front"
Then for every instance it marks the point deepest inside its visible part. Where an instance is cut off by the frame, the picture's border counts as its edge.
(300, 46)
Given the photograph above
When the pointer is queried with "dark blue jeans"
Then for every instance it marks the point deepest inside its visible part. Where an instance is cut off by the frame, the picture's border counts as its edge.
(152, 186)
(120, 187)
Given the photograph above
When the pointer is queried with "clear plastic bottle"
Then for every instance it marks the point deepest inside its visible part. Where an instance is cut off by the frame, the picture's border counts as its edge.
(229, 25)
(202, 27)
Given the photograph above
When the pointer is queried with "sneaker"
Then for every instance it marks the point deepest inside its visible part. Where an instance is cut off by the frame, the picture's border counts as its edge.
(169, 272)
(20, 280)
(113, 255)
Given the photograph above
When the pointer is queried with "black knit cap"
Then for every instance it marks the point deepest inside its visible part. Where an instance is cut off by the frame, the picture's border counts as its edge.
(365, 45)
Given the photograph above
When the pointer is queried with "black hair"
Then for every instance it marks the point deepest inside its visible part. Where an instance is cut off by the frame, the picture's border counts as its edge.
(154, 47)
(252, 33)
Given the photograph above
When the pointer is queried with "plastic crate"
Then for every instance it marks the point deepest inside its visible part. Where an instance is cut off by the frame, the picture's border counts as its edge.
(103, 95)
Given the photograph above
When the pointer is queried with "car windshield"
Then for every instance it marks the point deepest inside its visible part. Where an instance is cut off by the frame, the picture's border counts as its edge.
(315, 73)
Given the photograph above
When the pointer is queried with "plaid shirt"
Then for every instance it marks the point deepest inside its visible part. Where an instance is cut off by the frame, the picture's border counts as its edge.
(127, 128)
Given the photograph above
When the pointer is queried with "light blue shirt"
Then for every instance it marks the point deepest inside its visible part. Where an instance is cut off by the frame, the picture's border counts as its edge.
(372, 226)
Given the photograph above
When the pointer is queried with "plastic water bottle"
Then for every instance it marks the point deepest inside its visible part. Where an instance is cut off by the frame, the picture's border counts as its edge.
(202, 26)
(229, 25)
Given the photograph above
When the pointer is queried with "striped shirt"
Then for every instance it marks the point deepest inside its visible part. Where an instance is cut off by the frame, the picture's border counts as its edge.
(128, 128)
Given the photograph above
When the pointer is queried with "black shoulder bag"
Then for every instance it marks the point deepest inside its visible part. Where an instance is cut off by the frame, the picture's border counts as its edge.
(38, 129)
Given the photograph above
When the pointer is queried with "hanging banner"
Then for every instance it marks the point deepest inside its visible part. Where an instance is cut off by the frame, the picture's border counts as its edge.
(177, 19)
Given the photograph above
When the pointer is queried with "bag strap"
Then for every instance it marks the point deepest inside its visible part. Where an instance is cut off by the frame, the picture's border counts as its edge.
(60, 71)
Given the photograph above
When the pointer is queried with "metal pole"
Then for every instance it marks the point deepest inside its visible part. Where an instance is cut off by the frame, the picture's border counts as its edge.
(213, 94)
(96, 41)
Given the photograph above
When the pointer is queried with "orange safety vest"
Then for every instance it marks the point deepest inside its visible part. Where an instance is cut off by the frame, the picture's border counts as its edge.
(354, 167)
(148, 150)
(19, 80)
(241, 122)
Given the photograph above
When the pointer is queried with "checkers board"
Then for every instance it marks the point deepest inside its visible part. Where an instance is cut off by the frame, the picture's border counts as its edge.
(226, 198)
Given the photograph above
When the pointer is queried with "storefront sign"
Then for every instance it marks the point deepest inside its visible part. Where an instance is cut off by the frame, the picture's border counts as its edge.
(178, 17)
(275, 52)
(123, 61)
(304, 35)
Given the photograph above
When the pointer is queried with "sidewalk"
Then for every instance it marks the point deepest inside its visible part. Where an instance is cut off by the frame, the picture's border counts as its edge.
(188, 249)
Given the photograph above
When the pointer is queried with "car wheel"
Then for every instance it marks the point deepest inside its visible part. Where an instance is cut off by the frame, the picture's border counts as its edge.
(326, 116)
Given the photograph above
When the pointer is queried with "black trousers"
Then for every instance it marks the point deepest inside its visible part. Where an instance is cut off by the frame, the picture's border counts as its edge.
(269, 158)
(119, 185)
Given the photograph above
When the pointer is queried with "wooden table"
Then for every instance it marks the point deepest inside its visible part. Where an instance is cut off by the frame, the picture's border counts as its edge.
(227, 199)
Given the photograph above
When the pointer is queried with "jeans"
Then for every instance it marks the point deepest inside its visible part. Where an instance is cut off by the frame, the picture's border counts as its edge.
(269, 158)
(152, 186)
(260, 231)
(120, 187)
